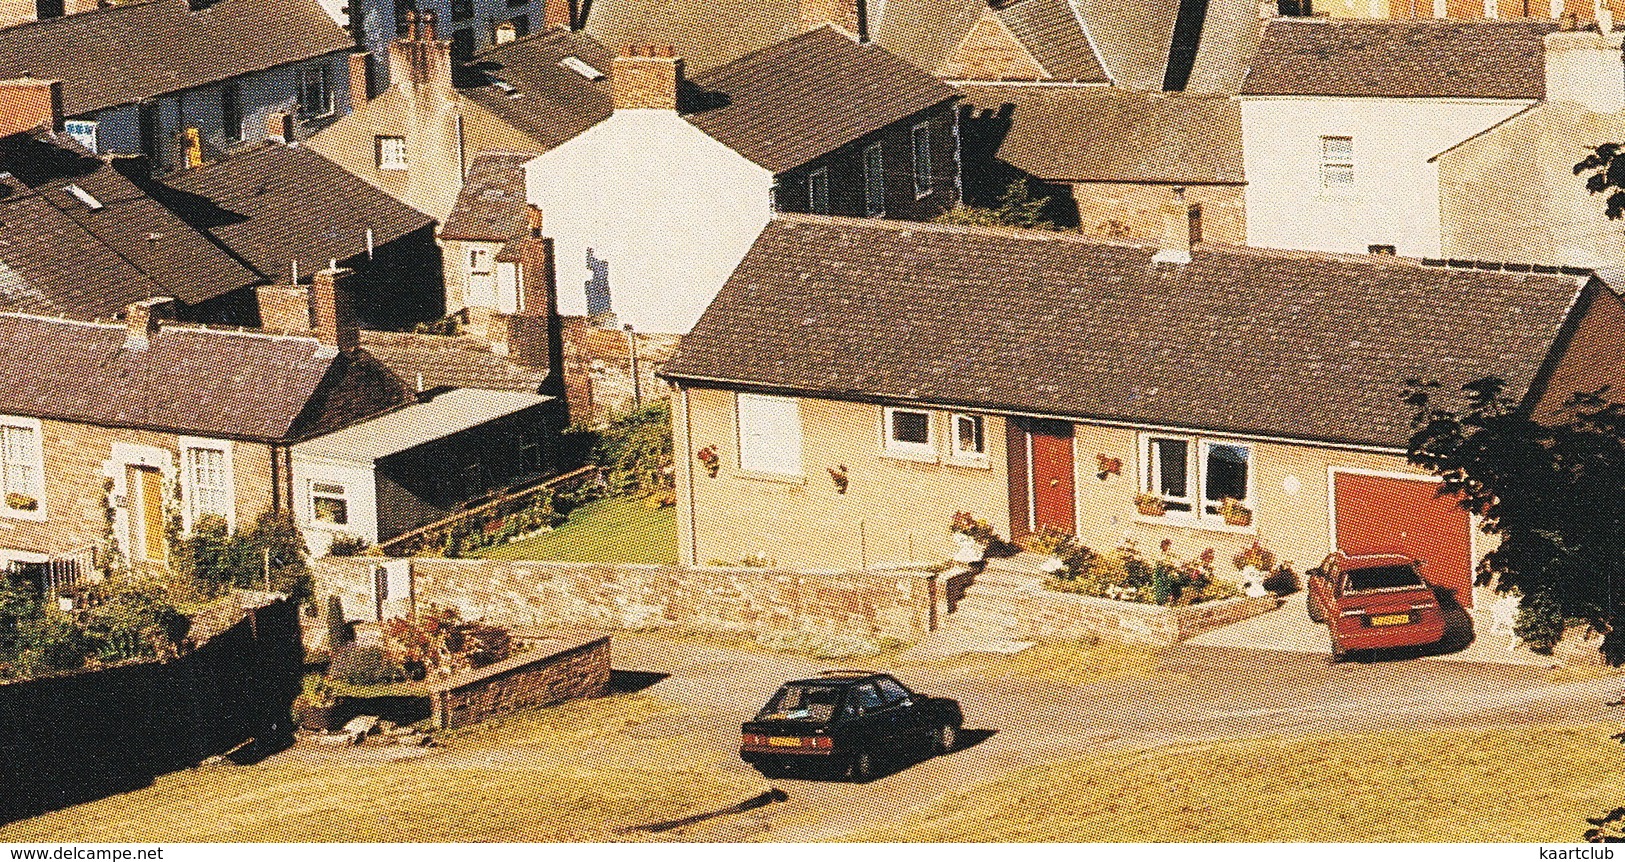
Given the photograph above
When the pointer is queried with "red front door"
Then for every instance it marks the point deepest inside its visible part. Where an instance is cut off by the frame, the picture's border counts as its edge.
(1042, 493)
(1387, 515)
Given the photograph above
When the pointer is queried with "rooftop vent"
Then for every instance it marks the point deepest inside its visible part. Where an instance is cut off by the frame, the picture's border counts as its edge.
(582, 68)
(84, 197)
(506, 89)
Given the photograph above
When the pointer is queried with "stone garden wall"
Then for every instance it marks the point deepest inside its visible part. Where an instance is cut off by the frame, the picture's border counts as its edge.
(1046, 614)
(546, 673)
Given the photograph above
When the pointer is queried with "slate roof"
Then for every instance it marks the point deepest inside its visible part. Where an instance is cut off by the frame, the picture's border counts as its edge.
(272, 204)
(1052, 33)
(59, 254)
(126, 53)
(1059, 133)
(1240, 340)
(187, 379)
(491, 205)
(1231, 31)
(790, 103)
(416, 424)
(706, 34)
(450, 361)
(550, 104)
(1487, 59)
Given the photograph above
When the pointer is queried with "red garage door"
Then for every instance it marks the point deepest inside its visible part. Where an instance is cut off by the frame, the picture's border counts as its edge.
(1386, 514)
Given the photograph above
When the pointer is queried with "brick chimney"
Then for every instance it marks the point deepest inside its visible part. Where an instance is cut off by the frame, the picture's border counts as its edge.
(29, 103)
(645, 79)
(331, 309)
(419, 58)
(279, 127)
(558, 14)
(1181, 229)
(141, 320)
(360, 78)
(1584, 67)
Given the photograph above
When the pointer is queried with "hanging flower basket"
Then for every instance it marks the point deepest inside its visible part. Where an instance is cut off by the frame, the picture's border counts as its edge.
(709, 459)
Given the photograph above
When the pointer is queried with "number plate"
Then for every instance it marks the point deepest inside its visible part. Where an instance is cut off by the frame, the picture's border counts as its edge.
(785, 741)
(1391, 620)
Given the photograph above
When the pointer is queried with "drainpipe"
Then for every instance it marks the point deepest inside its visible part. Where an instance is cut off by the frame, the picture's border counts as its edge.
(632, 352)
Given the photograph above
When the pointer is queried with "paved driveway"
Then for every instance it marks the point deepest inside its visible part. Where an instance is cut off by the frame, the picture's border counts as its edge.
(1201, 693)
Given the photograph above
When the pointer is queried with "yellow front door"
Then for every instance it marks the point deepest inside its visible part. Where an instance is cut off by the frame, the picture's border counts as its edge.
(146, 486)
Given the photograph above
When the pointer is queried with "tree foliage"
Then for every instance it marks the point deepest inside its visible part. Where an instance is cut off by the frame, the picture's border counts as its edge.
(635, 452)
(1552, 489)
(1016, 208)
(270, 554)
(1607, 166)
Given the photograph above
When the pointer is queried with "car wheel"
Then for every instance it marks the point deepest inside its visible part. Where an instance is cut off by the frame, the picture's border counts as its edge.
(1315, 613)
(862, 767)
(1338, 653)
(947, 737)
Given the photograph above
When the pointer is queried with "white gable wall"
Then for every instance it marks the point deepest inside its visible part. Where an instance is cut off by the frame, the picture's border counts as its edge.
(670, 209)
(1395, 196)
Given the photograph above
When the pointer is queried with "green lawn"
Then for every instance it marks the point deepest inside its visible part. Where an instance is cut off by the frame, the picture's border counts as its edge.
(611, 530)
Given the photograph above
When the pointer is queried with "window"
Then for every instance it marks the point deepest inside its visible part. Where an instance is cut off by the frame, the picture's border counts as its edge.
(479, 260)
(1185, 470)
(769, 434)
(462, 45)
(208, 483)
(83, 131)
(462, 10)
(891, 691)
(391, 152)
(329, 503)
(818, 191)
(1336, 163)
(874, 179)
(920, 137)
(521, 23)
(22, 472)
(1381, 249)
(970, 443)
(315, 92)
(908, 432)
(231, 111)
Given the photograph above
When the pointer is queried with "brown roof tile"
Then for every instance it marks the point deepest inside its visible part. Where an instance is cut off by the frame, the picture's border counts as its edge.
(126, 53)
(1053, 34)
(1486, 59)
(547, 102)
(792, 102)
(1240, 340)
(457, 361)
(491, 206)
(1067, 132)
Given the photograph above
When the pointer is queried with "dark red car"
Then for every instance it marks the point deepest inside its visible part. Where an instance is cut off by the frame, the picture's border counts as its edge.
(1374, 601)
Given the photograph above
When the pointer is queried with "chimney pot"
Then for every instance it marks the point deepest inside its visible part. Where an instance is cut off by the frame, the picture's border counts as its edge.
(332, 309)
(360, 78)
(141, 320)
(29, 103)
(651, 81)
(279, 127)
(1181, 229)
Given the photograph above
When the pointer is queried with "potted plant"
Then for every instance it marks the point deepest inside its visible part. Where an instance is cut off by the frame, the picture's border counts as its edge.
(1234, 513)
(971, 536)
(313, 709)
(1150, 505)
(21, 502)
(1254, 564)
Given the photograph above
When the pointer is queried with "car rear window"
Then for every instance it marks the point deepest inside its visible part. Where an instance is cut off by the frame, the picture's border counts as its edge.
(803, 703)
(1382, 578)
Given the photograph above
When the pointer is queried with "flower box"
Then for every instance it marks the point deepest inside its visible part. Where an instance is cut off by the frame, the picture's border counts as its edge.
(21, 502)
(1150, 505)
(1235, 514)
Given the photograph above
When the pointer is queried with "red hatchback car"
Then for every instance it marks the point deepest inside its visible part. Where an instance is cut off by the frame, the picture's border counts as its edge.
(1374, 601)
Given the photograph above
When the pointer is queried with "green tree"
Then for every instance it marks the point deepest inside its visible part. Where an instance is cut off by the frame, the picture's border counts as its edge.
(1016, 208)
(1607, 166)
(635, 452)
(1552, 489)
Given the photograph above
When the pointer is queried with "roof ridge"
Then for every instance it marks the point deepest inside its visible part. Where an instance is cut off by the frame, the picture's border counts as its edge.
(1011, 232)
(719, 71)
(99, 10)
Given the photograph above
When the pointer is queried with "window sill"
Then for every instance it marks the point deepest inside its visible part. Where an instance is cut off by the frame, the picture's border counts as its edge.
(23, 514)
(780, 478)
(394, 167)
(1190, 522)
(974, 463)
(916, 457)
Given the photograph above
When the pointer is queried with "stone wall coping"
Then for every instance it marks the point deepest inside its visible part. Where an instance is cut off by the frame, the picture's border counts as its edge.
(920, 573)
(1149, 610)
(539, 651)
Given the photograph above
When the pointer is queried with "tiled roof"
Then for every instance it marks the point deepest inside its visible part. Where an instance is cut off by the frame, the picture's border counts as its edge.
(126, 53)
(450, 361)
(707, 33)
(491, 205)
(91, 256)
(1133, 37)
(186, 379)
(273, 204)
(1239, 340)
(548, 102)
(1230, 33)
(1104, 133)
(790, 103)
(1488, 59)
(1052, 33)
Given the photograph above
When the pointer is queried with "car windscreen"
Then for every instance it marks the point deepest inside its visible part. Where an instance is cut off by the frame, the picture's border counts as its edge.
(1382, 578)
(803, 703)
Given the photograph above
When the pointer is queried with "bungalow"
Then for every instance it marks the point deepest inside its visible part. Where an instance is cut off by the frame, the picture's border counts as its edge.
(856, 383)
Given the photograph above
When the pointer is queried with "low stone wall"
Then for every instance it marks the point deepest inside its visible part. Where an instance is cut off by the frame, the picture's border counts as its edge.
(548, 672)
(1052, 615)
(756, 602)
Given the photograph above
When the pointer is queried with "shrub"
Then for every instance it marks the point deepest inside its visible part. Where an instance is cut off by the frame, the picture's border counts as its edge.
(1540, 622)
(364, 665)
(1283, 581)
(346, 545)
(636, 452)
(137, 619)
(270, 554)
(1256, 556)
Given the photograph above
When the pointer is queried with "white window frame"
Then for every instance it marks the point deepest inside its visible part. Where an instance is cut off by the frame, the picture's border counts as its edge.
(816, 178)
(318, 72)
(1196, 475)
(86, 132)
(386, 156)
(908, 448)
(786, 456)
(921, 133)
(1330, 162)
(343, 495)
(189, 490)
(479, 261)
(874, 180)
(958, 452)
(36, 464)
